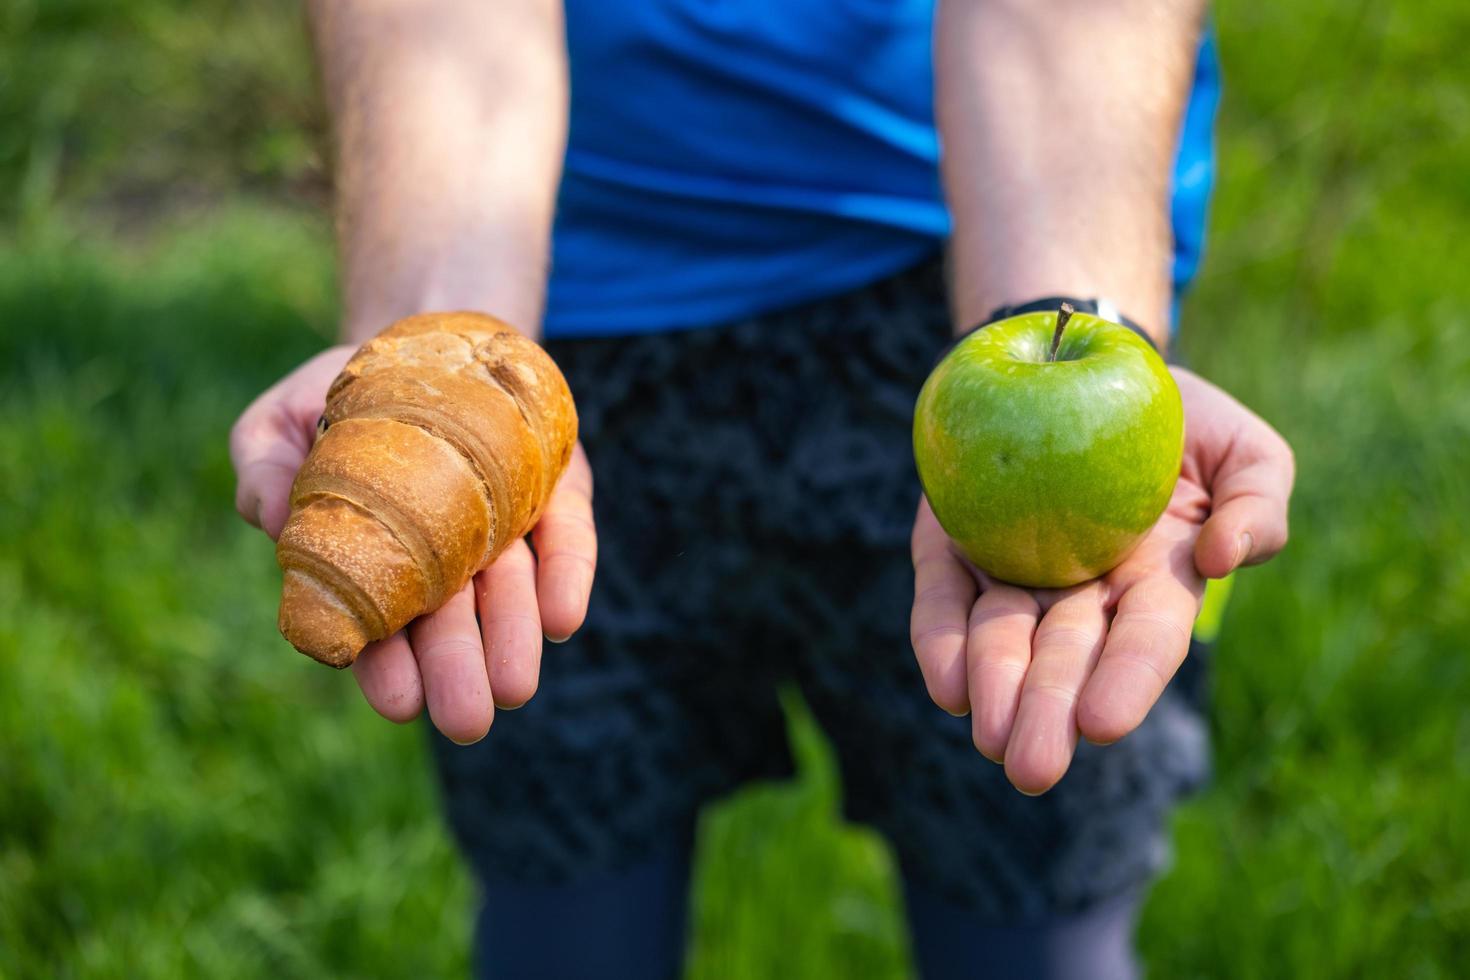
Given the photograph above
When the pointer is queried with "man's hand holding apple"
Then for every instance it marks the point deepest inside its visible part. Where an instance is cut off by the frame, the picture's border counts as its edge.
(1034, 668)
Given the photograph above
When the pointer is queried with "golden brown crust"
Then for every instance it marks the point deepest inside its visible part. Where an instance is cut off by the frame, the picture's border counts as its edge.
(444, 436)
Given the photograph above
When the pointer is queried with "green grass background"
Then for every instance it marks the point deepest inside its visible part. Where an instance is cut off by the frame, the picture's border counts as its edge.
(182, 796)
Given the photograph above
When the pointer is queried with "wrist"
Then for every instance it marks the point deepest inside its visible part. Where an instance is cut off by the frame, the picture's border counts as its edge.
(514, 296)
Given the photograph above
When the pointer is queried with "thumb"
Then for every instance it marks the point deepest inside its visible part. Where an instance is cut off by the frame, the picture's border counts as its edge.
(266, 450)
(272, 437)
(1250, 495)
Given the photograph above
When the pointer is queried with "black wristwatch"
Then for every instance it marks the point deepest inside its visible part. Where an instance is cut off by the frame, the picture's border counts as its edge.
(1050, 304)
(1097, 306)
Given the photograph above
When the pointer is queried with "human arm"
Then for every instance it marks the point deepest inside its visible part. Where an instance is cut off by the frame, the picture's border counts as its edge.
(450, 122)
(1059, 120)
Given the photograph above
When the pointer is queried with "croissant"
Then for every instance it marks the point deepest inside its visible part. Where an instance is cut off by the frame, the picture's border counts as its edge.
(441, 442)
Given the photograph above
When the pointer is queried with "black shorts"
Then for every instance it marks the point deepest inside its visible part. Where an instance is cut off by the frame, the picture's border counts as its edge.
(755, 489)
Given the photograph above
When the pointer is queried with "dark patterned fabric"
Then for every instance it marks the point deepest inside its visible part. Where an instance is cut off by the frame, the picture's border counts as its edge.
(755, 493)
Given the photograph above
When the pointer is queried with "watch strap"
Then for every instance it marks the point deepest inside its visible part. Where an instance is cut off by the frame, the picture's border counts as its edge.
(1096, 306)
(1050, 304)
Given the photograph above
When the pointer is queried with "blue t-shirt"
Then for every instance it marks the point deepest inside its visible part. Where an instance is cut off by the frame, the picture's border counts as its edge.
(727, 158)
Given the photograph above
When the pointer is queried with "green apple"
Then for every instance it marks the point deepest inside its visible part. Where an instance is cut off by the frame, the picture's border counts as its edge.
(1048, 445)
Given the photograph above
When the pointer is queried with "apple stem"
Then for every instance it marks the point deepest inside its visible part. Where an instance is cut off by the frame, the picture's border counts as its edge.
(1064, 313)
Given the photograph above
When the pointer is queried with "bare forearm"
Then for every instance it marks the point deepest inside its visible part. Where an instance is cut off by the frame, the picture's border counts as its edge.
(450, 124)
(1059, 120)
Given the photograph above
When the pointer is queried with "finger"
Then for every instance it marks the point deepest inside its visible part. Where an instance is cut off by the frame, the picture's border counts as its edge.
(566, 551)
(510, 625)
(944, 592)
(1250, 491)
(1068, 641)
(999, 652)
(447, 645)
(272, 436)
(1146, 644)
(389, 677)
(266, 453)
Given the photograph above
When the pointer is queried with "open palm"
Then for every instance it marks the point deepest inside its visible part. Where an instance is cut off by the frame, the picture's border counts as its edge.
(1036, 668)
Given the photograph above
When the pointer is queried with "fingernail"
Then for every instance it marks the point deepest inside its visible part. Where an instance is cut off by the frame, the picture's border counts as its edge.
(1243, 547)
(557, 639)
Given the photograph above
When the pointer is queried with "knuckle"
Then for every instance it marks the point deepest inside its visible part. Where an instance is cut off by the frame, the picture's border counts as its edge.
(511, 637)
(1146, 664)
(936, 562)
(449, 648)
(993, 643)
(572, 526)
(945, 592)
(923, 639)
(1065, 636)
(995, 671)
(253, 425)
(1059, 693)
(564, 555)
(1138, 620)
(990, 619)
(515, 561)
(1009, 600)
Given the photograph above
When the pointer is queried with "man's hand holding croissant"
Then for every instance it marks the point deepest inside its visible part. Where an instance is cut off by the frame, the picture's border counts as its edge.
(483, 647)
